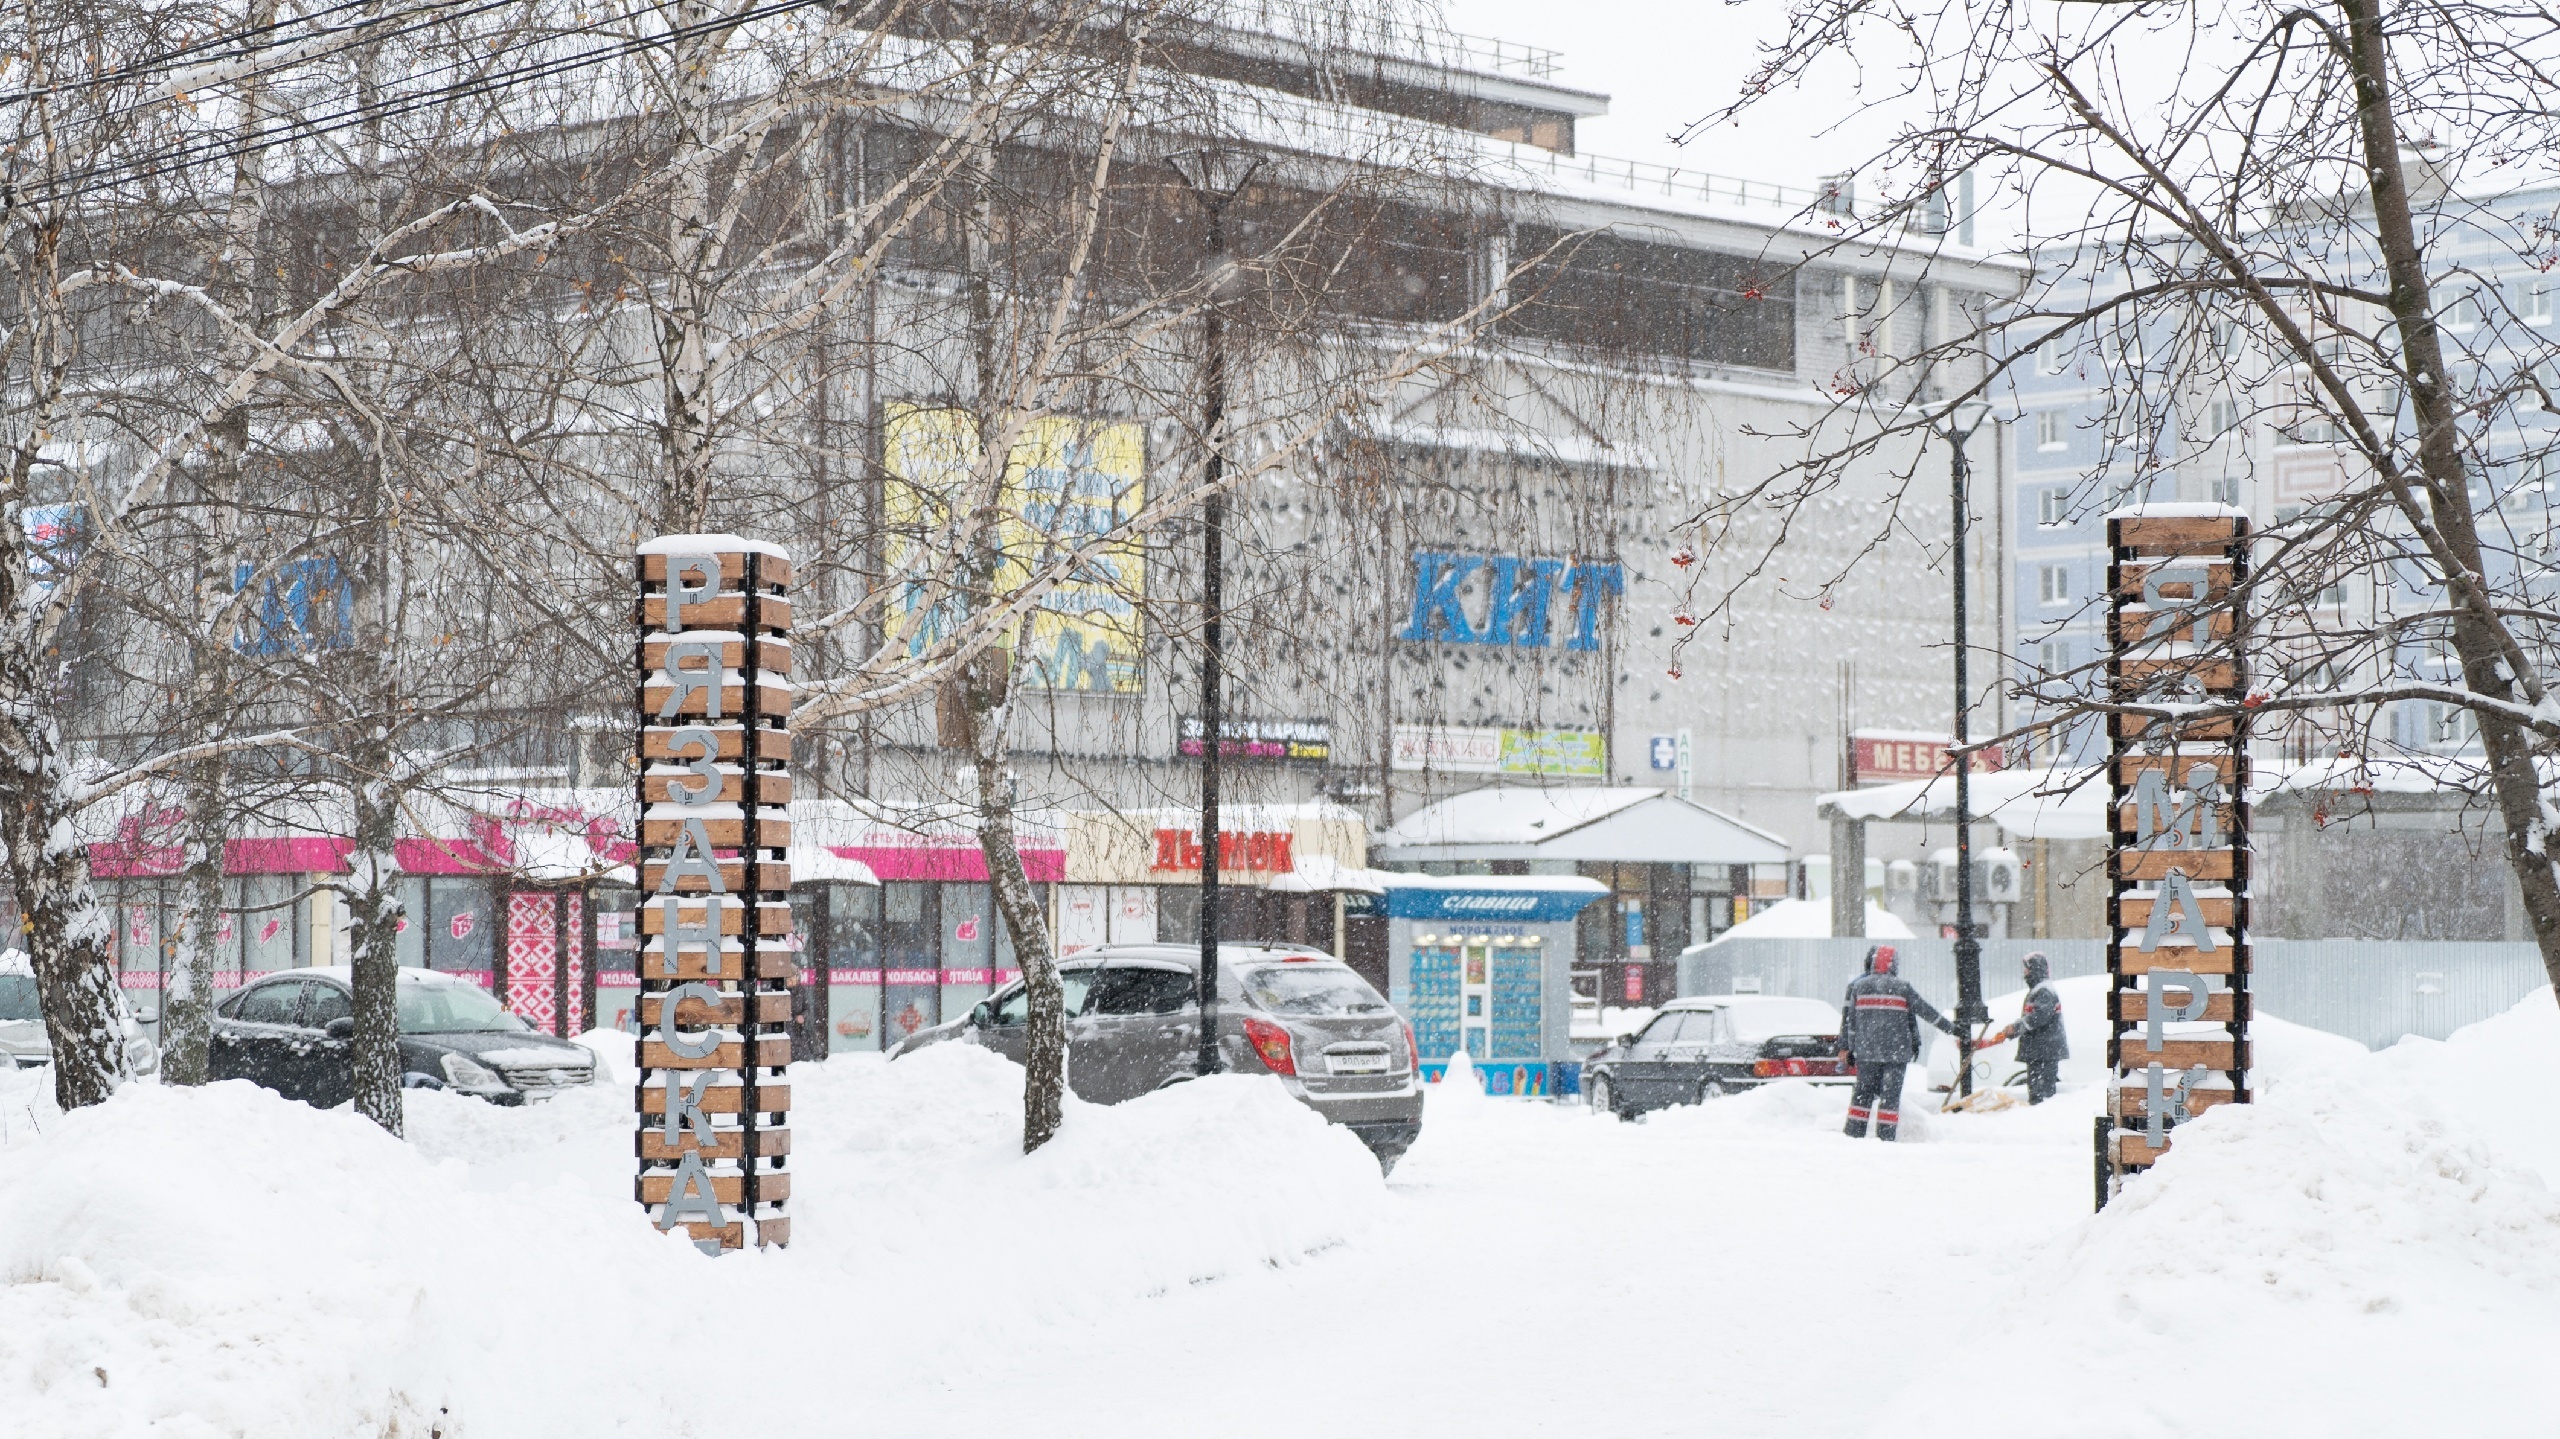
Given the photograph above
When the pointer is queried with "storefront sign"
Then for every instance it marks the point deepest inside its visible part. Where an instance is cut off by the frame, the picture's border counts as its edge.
(1263, 851)
(1518, 906)
(1886, 757)
(1514, 600)
(717, 958)
(1469, 749)
(1266, 741)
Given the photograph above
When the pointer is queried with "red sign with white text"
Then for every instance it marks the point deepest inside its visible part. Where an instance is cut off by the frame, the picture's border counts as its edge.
(1889, 759)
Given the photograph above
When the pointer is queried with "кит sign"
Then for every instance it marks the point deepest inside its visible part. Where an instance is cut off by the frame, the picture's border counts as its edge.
(1522, 601)
(715, 966)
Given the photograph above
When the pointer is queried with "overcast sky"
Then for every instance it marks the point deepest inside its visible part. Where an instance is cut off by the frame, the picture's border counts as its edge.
(1663, 64)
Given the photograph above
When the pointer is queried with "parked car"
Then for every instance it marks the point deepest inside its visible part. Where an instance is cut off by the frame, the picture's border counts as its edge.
(23, 1043)
(1697, 1049)
(294, 1032)
(1133, 1027)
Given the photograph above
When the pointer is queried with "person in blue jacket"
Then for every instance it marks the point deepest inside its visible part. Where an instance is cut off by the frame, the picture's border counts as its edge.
(2038, 1029)
(1880, 1025)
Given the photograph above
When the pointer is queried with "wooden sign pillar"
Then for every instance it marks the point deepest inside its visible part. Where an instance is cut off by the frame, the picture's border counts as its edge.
(716, 967)
(2178, 906)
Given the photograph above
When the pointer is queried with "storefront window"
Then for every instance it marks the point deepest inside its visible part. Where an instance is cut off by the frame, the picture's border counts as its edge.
(411, 943)
(617, 955)
(911, 958)
(463, 924)
(270, 921)
(852, 938)
(968, 945)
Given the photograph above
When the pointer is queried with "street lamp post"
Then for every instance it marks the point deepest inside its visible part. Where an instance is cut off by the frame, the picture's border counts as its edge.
(1970, 1012)
(1215, 177)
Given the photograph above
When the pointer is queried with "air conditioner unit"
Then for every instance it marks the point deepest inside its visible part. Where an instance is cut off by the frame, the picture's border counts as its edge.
(2002, 876)
(1901, 877)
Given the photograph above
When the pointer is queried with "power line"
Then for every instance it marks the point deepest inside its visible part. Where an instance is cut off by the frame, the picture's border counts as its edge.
(215, 151)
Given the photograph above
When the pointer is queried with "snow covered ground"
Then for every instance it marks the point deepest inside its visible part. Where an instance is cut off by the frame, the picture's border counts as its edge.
(2371, 1251)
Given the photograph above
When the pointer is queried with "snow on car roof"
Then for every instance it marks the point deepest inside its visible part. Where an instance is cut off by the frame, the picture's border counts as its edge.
(1760, 1016)
(346, 974)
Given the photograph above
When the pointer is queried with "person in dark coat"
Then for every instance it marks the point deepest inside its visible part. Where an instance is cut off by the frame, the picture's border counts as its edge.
(1880, 1025)
(2042, 1045)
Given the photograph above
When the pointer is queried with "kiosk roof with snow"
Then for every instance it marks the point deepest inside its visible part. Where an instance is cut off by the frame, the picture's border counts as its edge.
(1622, 824)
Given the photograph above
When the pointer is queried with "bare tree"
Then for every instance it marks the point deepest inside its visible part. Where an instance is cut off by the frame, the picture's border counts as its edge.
(2256, 218)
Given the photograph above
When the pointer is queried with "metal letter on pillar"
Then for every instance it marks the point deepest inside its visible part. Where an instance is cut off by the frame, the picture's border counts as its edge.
(716, 967)
(2178, 776)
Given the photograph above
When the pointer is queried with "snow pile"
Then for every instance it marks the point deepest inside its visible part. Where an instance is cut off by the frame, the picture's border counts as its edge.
(2349, 1256)
(224, 1262)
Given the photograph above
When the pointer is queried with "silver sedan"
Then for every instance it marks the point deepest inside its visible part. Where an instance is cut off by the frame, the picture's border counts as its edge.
(1133, 1027)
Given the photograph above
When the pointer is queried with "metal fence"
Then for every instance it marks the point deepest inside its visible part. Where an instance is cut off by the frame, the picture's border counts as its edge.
(2371, 991)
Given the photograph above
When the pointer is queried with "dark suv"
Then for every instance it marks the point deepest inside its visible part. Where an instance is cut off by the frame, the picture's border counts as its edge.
(1133, 1027)
(294, 1032)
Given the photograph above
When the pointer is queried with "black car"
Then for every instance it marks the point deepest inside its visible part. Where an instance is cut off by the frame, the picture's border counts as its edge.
(294, 1032)
(1697, 1049)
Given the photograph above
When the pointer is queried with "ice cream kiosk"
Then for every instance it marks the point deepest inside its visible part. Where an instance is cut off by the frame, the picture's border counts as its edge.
(1481, 964)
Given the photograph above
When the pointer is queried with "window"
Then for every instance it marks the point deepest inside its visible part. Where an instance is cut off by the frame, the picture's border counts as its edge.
(1125, 990)
(2053, 656)
(2227, 336)
(1015, 1006)
(2222, 416)
(269, 1003)
(455, 1007)
(2462, 314)
(2537, 301)
(2049, 430)
(2053, 507)
(1312, 989)
(2225, 489)
(2333, 597)
(2052, 358)
(2053, 584)
(327, 1002)
(1658, 1037)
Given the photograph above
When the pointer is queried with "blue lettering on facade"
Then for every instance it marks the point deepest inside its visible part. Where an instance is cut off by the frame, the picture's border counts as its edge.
(1436, 613)
(1522, 593)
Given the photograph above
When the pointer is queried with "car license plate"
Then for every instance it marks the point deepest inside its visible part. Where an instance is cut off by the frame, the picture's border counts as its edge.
(1355, 1064)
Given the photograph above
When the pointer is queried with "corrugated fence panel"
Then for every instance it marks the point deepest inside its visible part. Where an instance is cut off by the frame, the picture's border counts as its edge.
(2371, 991)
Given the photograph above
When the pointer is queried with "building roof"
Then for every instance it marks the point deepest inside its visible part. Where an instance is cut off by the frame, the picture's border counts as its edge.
(2025, 803)
(1622, 823)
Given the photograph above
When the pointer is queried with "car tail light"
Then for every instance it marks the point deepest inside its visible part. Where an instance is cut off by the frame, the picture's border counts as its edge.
(1412, 1051)
(1763, 1068)
(1272, 1043)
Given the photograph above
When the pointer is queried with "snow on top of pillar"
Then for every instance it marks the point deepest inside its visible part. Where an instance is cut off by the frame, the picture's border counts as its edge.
(710, 545)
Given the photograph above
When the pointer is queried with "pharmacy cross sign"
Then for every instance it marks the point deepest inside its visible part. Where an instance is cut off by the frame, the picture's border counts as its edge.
(716, 967)
(2178, 905)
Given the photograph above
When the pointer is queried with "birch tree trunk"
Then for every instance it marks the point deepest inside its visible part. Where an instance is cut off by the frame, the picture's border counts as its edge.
(187, 1013)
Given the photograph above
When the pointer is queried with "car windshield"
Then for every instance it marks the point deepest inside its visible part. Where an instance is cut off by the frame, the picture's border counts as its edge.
(18, 997)
(1312, 989)
(1766, 1019)
(451, 1009)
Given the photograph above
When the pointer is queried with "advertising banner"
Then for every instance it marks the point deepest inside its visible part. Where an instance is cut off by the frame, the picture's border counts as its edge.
(1067, 482)
(1471, 749)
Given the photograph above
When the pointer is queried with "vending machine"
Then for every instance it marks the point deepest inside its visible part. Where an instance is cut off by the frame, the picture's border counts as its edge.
(1480, 965)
